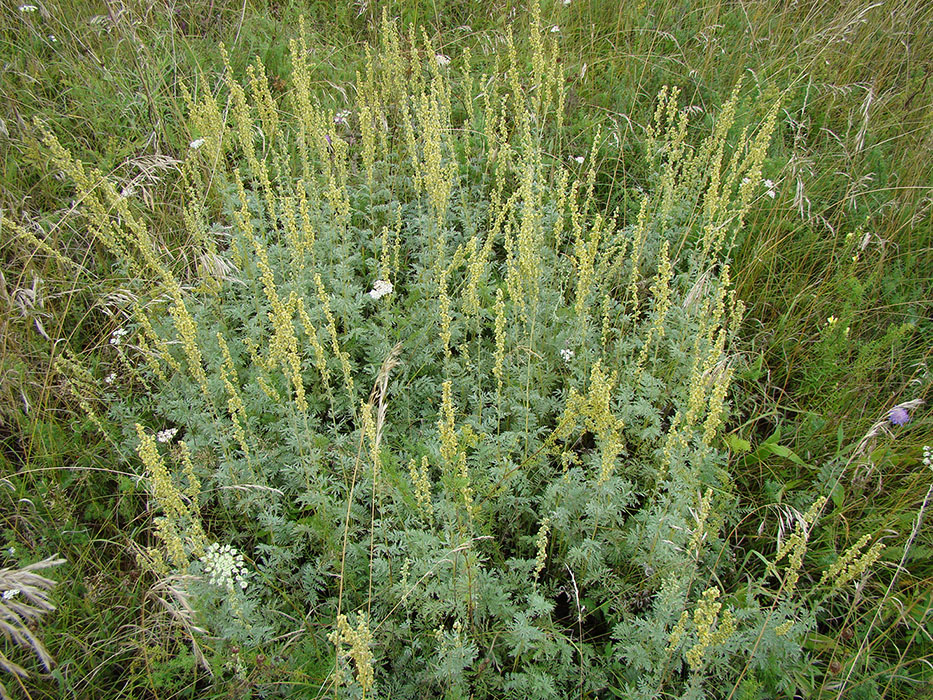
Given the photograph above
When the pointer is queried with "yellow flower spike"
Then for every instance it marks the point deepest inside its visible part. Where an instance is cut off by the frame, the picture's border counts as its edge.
(421, 480)
(178, 517)
(708, 633)
(661, 293)
(541, 546)
(344, 358)
(497, 369)
(235, 405)
(309, 236)
(359, 641)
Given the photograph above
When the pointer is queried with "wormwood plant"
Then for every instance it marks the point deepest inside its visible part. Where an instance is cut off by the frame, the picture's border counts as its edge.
(415, 409)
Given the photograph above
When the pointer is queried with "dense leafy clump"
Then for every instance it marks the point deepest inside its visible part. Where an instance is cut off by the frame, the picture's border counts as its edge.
(416, 412)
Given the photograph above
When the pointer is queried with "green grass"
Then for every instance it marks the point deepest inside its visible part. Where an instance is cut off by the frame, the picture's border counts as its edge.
(852, 172)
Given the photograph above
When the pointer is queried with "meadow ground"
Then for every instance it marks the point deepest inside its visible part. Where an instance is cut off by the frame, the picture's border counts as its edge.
(453, 349)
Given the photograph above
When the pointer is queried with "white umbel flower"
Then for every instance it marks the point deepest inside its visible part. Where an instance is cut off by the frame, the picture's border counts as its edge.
(224, 567)
(380, 289)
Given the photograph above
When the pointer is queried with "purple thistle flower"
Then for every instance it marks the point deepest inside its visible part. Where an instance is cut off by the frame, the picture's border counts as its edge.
(898, 415)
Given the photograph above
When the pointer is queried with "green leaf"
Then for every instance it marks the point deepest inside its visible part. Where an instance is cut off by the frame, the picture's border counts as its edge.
(820, 642)
(737, 444)
(787, 453)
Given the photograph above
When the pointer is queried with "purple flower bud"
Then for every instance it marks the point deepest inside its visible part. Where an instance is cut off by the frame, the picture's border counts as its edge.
(898, 415)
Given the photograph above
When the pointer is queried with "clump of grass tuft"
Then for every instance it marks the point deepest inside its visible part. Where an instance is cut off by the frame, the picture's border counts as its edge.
(24, 599)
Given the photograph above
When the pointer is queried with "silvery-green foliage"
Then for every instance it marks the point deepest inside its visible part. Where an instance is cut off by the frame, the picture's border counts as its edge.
(471, 596)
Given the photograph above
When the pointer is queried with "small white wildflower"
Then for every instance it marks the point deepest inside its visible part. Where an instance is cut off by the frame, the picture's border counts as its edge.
(567, 354)
(566, 2)
(579, 159)
(196, 144)
(224, 567)
(772, 190)
(442, 60)
(117, 336)
(11, 551)
(342, 116)
(555, 29)
(166, 435)
(110, 378)
(10, 593)
(28, 8)
(745, 180)
(928, 456)
(53, 39)
(380, 289)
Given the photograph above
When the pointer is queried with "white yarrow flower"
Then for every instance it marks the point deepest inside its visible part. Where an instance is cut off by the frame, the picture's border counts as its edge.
(380, 289)
(117, 336)
(342, 116)
(166, 435)
(555, 29)
(10, 593)
(110, 378)
(579, 159)
(567, 354)
(196, 144)
(772, 190)
(442, 60)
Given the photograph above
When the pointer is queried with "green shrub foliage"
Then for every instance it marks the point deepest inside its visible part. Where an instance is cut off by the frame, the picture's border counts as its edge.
(418, 419)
